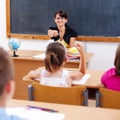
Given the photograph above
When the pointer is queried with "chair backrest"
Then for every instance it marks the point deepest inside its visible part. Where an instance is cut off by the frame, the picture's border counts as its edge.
(108, 98)
(77, 95)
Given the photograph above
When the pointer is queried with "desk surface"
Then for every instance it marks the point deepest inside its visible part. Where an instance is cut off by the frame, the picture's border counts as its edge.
(92, 82)
(28, 54)
(73, 112)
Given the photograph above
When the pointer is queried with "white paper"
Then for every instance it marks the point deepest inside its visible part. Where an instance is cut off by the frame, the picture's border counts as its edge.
(82, 80)
(40, 56)
(34, 114)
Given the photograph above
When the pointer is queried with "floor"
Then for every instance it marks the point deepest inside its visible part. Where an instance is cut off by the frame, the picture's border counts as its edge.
(91, 103)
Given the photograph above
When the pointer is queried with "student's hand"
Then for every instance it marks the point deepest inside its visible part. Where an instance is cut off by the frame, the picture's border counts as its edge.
(34, 74)
(79, 48)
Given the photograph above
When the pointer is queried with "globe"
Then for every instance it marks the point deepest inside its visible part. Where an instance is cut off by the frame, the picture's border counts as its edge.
(14, 44)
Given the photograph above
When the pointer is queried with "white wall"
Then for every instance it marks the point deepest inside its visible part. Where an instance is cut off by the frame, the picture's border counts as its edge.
(103, 52)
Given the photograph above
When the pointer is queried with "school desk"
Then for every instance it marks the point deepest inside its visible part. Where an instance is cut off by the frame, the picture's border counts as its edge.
(94, 80)
(93, 83)
(27, 56)
(72, 112)
(25, 62)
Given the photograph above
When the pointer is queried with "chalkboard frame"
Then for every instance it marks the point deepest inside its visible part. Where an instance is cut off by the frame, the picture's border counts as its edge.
(46, 37)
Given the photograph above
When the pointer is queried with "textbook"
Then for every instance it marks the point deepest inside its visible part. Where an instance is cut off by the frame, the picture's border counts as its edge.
(40, 56)
(34, 114)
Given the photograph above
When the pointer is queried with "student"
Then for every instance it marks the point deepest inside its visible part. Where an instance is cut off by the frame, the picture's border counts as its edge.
(111, 78)
(7, 84)
(54, 73)
(62, 32)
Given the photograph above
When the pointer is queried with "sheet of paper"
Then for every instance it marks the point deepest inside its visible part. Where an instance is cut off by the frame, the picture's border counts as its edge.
(40, 56)
(82, 80)
(34, 114)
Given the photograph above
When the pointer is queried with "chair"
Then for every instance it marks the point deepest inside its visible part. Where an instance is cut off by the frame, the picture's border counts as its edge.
(77, 95)
(108, 98)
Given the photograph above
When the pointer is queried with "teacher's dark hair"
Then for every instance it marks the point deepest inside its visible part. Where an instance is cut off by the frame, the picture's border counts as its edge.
(61, 13)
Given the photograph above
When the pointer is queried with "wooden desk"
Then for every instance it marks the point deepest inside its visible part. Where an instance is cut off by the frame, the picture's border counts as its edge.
(93, 81)
(27, 55)
(73, 112)
(25, 62)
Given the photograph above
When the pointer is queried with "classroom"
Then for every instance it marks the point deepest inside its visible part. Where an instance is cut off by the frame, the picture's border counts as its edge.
(102, 59)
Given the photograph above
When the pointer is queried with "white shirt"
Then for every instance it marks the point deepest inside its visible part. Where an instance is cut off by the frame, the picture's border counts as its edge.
(58, 81)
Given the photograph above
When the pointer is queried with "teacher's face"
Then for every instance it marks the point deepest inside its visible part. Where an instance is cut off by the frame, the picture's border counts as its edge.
(60, 21)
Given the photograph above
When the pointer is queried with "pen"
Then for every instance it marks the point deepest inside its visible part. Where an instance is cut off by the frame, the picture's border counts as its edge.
(41, 108)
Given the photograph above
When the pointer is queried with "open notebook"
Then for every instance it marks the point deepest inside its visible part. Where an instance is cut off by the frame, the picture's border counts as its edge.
(40, 56)
(82, 80)
(34, 114)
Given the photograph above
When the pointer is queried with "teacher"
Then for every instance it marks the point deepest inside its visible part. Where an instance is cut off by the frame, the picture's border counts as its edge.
(62, 32)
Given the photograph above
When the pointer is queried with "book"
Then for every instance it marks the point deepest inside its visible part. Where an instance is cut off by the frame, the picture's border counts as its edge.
(40, 56)
(82, 80)
(34, 114)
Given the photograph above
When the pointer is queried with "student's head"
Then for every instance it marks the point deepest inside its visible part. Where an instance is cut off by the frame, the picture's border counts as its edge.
(6, 75)
(61, 17)
(117, 60)
(55, 56)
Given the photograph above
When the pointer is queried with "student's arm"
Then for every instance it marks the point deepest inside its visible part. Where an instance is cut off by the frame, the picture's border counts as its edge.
(35, 74)
(76, 75)
(82, 65)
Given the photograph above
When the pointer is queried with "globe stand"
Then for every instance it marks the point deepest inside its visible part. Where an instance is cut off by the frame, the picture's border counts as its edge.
(14, 54)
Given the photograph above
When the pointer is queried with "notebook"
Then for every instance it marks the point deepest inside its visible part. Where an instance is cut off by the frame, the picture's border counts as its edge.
(34, 114)
(82, 80)
(40, 56)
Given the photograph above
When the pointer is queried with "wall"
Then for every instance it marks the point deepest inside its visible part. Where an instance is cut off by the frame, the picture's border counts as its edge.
(103, 52)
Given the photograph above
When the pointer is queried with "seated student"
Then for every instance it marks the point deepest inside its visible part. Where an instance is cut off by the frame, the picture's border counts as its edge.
(54, 73)
(7, 84)
(62, 32)
(111, 78)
